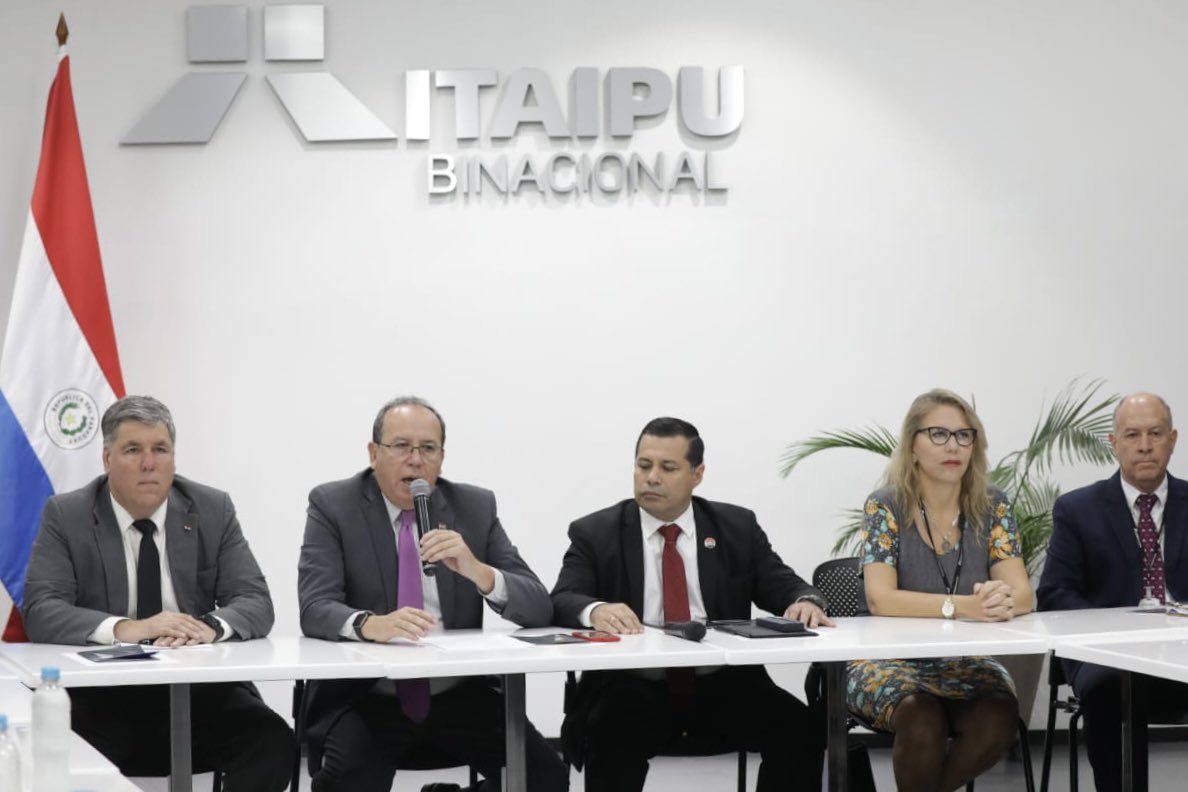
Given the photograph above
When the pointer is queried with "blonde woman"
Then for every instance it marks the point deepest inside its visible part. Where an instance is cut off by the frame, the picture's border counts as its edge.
(940, 541)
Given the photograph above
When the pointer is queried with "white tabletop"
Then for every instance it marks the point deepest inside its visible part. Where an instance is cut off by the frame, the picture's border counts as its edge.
(495, 651)
(1143, 654)
(877, 638)
(258, 660)
(16, 701)
(1101, 623)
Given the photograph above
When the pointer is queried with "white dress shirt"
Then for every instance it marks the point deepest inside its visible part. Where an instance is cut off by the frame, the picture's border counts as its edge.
(105, 632)
(653, 555)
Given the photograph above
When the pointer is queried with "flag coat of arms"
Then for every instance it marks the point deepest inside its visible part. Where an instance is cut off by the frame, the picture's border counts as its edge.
(59, 369)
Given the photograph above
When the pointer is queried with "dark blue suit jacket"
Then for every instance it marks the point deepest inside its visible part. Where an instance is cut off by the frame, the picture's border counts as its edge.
(1094, 559)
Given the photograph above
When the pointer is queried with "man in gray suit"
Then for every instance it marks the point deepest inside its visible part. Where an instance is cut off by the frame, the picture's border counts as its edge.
(360, 578)
(142, 555)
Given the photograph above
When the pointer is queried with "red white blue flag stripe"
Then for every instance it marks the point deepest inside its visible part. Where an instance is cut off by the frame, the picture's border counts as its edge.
(59, 369)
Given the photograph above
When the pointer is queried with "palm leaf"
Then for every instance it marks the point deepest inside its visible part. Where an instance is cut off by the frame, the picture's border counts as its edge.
(849, 535)
(1074, 429)
(876, 439)
(1033, 514)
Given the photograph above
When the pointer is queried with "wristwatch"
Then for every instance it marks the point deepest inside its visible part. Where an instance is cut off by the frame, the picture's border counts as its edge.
(948, 608)
(816, 600)
(210, 621)
(357, 624)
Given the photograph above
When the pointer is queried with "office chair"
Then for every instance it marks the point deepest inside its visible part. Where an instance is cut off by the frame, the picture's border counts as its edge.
(424, 760)
(686, 748)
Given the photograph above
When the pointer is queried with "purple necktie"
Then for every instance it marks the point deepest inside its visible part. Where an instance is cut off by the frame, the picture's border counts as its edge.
(413, 693)
(1153, 580)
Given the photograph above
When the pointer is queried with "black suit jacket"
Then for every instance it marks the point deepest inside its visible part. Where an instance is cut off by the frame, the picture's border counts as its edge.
(1094, 559)
(604, 562)
(736, 564)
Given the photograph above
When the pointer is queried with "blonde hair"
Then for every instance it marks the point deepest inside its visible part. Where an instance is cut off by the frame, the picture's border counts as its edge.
(903, 478)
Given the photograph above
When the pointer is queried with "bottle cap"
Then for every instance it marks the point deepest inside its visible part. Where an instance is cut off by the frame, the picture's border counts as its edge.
(50, 674)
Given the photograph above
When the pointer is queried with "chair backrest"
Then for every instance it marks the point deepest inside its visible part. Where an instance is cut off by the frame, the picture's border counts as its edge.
(838, 580)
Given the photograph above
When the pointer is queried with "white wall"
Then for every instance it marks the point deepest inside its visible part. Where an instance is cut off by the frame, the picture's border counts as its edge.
(987, 196)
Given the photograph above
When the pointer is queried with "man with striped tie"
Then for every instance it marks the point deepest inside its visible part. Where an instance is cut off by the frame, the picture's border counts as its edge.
(1114, 543)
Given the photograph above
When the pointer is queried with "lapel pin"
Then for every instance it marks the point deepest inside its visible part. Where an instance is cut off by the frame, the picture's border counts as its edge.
(710, 543)
(187, 527)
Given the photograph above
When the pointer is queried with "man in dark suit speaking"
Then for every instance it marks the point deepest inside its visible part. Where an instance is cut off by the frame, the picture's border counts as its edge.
(667, 556)
(140, 554)
(1113, 543)
(360, 578)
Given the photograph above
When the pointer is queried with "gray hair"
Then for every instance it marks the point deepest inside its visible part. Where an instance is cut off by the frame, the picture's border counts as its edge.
(377, 428)
(1139, 394)
(142, 409)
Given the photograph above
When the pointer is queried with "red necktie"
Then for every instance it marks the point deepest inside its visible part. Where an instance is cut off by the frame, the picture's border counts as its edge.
(681, 681)
(676, 587)
(1153, 580)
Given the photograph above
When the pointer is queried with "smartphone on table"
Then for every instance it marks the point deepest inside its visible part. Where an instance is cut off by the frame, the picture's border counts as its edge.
(597, 636)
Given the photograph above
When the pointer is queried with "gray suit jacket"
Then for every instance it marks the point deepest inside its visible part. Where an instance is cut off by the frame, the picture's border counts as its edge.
(349, 563)
(78, 576)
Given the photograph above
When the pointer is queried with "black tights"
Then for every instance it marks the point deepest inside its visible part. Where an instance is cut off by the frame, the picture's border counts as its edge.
(941, 744)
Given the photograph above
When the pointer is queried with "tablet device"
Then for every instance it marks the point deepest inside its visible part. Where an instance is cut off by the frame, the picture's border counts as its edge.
(113, 653)
(751, 630)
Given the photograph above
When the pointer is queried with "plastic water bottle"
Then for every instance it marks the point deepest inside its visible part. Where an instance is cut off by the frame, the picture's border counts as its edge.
(10, 758)
(51, 734)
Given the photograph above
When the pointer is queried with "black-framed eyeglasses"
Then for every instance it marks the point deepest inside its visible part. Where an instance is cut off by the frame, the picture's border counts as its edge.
(402, 449)
(939, 435)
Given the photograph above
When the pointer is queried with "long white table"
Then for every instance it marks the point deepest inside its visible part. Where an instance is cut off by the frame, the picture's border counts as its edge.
(265, 659)
(1161, 654)
(494, 652)
(1058, 628)
(458, 653)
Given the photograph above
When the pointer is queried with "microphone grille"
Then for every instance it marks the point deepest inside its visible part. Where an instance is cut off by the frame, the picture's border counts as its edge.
(419, 488)
(694, 631)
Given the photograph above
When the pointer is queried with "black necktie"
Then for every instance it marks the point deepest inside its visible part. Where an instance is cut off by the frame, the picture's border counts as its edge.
(148, 572)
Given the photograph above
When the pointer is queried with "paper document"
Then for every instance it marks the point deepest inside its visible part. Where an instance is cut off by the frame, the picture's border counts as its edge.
(473, 642)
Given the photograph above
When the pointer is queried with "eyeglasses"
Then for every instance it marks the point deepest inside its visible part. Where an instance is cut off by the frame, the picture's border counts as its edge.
(939, 435)
(402, 449)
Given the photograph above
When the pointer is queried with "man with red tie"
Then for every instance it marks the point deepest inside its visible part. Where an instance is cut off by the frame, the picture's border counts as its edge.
(668, 556)
(1114, 543)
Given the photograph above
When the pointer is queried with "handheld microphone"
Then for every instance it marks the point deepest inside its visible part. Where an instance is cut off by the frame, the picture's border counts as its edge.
(689, 630)
(420, 493)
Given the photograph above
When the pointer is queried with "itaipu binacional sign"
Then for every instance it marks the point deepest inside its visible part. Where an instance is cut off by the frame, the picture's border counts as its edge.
(614, 101)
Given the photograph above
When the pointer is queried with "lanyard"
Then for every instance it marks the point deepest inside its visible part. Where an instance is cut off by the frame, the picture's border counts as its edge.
(949, 589)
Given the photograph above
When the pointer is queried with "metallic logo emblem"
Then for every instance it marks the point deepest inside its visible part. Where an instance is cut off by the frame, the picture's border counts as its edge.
(321, 106)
